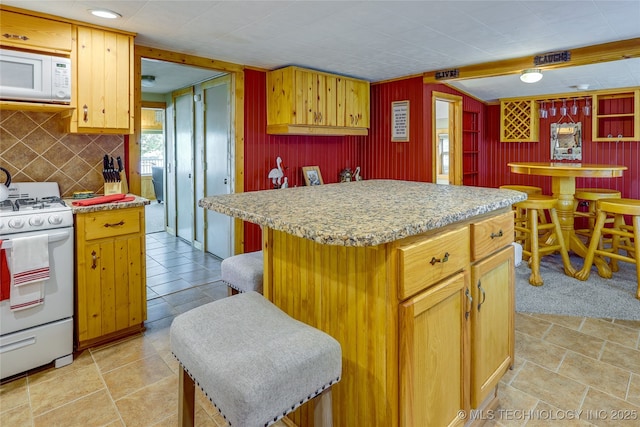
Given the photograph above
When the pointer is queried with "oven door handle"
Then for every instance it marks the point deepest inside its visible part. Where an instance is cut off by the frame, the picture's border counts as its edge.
(56, 237)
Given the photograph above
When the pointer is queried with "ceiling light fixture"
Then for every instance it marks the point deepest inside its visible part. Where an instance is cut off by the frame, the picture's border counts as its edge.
(148, 81)
(531, 75)
(105, 13)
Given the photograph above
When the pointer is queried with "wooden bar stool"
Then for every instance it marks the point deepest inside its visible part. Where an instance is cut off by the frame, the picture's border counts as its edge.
(536, 246)
(623, 237)
(520, 217)
(589, 197)
(254, 362)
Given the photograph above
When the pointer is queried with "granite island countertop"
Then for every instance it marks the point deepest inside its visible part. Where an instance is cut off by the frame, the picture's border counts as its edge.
(362, 213)
(138, 201)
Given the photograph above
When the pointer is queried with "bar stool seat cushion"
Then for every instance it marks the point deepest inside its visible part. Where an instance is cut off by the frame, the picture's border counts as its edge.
(253, 361)
(243, 272)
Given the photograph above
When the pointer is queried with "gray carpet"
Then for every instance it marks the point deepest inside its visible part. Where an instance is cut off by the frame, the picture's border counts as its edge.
(597, 297)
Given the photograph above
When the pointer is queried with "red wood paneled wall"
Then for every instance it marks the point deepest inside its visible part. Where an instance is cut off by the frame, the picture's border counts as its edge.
(330, 153)
(397, 160)
(495, 172)
(379, 158)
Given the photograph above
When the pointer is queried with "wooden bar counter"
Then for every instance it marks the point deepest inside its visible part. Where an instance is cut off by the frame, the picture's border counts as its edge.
(415, 280)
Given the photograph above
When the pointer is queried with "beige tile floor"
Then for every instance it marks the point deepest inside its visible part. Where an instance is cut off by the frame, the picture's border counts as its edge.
(568, 370)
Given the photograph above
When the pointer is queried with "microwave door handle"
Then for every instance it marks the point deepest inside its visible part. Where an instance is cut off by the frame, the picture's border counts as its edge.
(7, 244)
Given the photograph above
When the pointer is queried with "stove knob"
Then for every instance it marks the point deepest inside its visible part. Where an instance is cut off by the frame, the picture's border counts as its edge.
(36, 221)
(55, 219)
(16, 223)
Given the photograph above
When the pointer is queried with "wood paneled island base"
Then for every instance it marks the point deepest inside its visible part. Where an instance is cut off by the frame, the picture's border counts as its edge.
(425, 320)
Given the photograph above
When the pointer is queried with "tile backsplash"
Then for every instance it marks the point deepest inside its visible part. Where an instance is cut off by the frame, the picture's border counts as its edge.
(34, 148)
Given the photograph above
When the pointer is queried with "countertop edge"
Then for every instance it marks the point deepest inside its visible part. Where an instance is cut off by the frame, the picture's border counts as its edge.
(138, 202)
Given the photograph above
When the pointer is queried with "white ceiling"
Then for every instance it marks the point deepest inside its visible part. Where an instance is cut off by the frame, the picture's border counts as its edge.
(380, 40)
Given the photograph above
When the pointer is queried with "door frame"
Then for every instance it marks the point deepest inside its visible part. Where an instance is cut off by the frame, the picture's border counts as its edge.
(237, 86)
(455, 136)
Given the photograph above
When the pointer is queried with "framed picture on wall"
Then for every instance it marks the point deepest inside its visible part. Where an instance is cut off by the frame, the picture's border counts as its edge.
(312, 175)
(400, 121)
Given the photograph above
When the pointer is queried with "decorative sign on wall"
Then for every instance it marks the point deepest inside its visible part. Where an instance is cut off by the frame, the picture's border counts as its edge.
(453, 73)
(400, 121)
(552, 58)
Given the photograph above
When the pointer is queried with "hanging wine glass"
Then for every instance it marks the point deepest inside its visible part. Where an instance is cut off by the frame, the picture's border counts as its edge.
(553, 110)
(586, 110)
(563, 109)
(543, 111)
(574, 108)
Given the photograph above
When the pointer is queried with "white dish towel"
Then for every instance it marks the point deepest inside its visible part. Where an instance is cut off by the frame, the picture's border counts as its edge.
(29, 271)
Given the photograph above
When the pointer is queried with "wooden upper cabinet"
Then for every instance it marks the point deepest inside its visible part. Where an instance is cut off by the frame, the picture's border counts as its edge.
(301, 102)
(519, 121)
(104, 82)
(35, 33)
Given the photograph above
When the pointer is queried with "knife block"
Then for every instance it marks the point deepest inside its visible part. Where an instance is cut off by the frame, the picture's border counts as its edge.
(117, 187)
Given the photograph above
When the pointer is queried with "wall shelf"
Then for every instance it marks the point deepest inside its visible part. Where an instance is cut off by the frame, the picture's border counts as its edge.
(616, 116)
(470, 141)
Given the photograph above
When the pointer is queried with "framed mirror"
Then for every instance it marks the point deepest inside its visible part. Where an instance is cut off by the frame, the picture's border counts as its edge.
(566, 141)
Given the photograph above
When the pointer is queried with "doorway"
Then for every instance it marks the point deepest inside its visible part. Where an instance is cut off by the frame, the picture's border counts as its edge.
(447, 138)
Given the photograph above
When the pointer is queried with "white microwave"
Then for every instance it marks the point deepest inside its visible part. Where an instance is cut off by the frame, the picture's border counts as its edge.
(34, 77)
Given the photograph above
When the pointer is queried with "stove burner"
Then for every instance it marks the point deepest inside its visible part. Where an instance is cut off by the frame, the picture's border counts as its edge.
(7, 205)
(38, 203)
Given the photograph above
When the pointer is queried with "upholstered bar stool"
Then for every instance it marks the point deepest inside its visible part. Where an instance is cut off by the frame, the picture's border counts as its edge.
(254, 362)
(243, 272)
(590, 196)
(623, 237)
(535, 246)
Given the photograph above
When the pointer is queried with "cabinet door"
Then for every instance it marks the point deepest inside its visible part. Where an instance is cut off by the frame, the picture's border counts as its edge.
(357, 103)
(492, 322)
(26, 31)
(110, 294)
(104, 86)
(434, 365)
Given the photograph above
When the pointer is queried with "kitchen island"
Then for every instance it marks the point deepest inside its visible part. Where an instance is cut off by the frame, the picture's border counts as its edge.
(415, 280)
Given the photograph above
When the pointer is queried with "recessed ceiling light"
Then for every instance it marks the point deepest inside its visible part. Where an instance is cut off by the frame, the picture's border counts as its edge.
(531, 75)
(105, 13)
(583, 86)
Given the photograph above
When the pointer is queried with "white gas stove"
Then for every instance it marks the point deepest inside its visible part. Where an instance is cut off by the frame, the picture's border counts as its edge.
(39, 331)
(33, 206)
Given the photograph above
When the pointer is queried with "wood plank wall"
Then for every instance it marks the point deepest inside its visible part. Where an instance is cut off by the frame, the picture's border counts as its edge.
(379, 158)
(330, 153)
(495, 172)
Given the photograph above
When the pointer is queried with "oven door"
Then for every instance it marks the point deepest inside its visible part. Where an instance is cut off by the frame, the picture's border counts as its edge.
(58, 300)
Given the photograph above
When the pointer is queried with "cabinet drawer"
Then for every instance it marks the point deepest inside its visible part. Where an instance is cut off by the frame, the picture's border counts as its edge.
(490, 235)
(425, 262)
(111, 223)
(30, 31)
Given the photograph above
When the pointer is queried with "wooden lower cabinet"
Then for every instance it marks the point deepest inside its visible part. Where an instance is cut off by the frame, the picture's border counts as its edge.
(425, 323)
(110, 275)
(492, 322)
(434, 350)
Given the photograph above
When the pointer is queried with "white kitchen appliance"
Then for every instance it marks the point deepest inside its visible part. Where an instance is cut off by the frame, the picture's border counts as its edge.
(35, 77)
(38, 335)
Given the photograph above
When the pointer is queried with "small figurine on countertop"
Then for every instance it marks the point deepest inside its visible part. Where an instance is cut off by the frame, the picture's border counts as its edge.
(356, 175)
(276, 174)
(345, 175)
